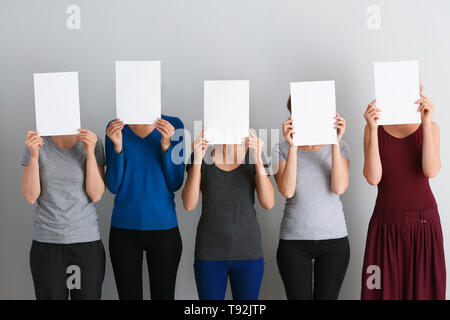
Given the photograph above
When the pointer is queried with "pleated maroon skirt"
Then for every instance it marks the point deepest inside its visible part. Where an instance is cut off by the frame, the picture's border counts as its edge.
(404, 257)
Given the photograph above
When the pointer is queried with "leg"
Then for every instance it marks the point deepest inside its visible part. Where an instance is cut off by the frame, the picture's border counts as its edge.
(295, 265)
(48, 269)
(211, 278)
(90, 257)
(126, 258)
(245, 279)
(163, 258)
(330, 268)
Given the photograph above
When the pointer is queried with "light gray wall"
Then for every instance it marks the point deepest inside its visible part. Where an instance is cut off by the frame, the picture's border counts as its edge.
(269, 42)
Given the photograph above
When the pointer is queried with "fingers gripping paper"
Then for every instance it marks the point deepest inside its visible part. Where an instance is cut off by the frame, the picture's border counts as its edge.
(313, 106)
(226, 111)
(138, 91)
(57, 103)
(396, 90)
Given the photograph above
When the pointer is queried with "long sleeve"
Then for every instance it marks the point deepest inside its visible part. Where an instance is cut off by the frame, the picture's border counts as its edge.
(115, 167)
(173, 158)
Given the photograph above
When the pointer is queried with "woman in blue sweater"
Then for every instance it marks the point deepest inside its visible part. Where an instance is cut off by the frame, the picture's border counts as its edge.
(144, 168)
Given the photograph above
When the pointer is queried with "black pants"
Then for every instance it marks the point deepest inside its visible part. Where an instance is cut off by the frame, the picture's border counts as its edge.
(52, 273)
(163, 251)
(295, 262)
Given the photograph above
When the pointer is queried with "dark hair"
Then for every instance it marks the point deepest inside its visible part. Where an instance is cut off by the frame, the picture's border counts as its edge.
(288, 105)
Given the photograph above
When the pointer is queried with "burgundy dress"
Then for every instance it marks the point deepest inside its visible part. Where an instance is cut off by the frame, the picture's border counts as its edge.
(405, 237)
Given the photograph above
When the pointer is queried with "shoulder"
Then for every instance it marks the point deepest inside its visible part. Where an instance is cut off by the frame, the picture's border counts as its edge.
(174, 121)
(109, 122)
(344, 144)
(282, 147)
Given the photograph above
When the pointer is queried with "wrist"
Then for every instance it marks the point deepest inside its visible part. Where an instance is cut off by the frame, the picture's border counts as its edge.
(118, 148)
(34, 158)
(165, 145)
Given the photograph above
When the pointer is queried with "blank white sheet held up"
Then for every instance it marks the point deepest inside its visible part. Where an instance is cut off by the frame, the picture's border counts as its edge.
(313, 106)
(396, 90)
(138, 91)
(226, 111)
(57, 103)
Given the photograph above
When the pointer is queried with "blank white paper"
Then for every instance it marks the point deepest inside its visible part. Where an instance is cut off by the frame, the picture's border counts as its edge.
(396, 90)
(138, 91)
(313, 106)
(57, 103)
(226, 111)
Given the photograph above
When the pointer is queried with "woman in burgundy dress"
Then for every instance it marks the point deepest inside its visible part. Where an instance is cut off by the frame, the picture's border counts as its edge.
(404, 256)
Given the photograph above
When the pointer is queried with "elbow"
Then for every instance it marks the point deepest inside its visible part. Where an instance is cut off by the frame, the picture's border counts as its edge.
(339, 190)
(371, 179)
(30, 198)
(189, 206)
(286, 193)
(431, 173)
(267, 205)
(96, 197)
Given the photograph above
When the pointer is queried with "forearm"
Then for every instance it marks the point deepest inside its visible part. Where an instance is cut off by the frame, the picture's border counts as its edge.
(264, 188)
(31, 185)
(114, 168)
(191, 190)
(95, 185)
(372, 160)
(431, 160)
(288, 181)
(339, 170)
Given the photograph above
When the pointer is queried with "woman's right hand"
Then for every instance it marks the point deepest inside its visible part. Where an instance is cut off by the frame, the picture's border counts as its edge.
(34, 143)
(372, 115)
(288, 131)
(114, 132)
(199, 147)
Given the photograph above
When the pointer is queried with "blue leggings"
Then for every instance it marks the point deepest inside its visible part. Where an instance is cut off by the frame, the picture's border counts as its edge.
(211, 278)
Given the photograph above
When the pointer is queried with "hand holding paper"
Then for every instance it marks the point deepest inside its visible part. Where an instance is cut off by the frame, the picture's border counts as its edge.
(313, 106)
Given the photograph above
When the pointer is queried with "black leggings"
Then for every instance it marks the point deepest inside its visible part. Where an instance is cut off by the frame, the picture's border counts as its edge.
(163, 251)
(50, 270)
(295, 262)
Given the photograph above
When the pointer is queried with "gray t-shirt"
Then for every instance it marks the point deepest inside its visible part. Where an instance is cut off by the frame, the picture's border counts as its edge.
(315, 212)
(64, 213)
(228, 228)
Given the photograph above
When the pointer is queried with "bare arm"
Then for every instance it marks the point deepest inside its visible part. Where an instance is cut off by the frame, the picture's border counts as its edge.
(372, 161)
(264, 188)
(431, 159)
(286, 174)
(31, 184)
(339, 170)
(95, 174)
(191, 190)
(286, 171)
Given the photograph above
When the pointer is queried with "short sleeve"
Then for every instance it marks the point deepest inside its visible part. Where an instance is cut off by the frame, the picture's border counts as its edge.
(100, 152)
(345, 149)
(278, 154)
(25, 157)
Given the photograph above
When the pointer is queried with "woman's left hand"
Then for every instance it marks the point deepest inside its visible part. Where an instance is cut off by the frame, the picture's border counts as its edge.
(89, 140)
(255, 144)
(339, 125)
(167, 130)
(426, 108)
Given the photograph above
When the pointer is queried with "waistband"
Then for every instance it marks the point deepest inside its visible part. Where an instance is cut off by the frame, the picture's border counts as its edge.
(421, 215)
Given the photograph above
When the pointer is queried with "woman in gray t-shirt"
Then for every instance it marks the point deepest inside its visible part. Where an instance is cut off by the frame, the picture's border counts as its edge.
(64, 176)
(228, 242)
(313, 234)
